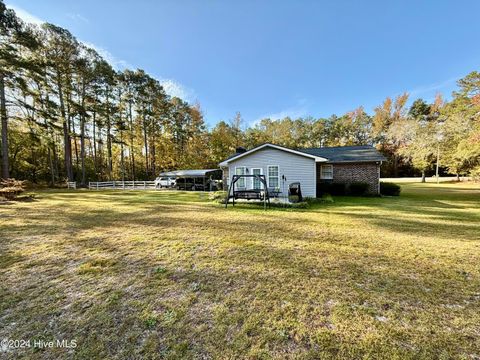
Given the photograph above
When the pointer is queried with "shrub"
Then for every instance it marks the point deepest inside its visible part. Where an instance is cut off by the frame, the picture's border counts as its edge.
(358, 188)
(300, 205)
(326, 198)
(322, 188)
(331, 188)
(475, 174)
(297, 205)
(217, 196)
(11, 188)
(389, 189)
(338, 189)
(305, 204)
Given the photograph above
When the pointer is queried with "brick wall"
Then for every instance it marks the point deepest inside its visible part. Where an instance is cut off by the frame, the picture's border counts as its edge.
(355, 172)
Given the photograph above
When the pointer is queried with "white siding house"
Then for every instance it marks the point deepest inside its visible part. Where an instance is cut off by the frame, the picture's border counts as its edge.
(312, 167)
(280, 166)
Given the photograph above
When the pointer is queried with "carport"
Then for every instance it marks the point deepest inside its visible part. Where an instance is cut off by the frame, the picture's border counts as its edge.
(194, 179)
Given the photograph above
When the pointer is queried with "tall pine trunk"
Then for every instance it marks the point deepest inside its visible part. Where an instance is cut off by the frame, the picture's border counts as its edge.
(122, 157)
(100, 152)
(75, 143)
(67, 145)
(4, 121)
(50, 164)
(94, 146)
(153, 154)
(132, 153)
(82, 135)
(145, 145)
(55, 156)
(109, 141)
(72, 135)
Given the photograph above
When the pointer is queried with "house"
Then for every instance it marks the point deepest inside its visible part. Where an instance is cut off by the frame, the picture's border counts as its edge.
(283, 166)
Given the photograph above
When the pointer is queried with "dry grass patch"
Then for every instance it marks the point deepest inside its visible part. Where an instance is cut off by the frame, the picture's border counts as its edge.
(171, 275)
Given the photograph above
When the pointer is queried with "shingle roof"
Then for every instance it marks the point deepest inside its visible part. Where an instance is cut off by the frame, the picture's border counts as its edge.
(259, 147)
(363, 153)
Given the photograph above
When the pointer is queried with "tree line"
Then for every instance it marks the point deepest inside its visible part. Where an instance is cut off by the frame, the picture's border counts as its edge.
(66, 113)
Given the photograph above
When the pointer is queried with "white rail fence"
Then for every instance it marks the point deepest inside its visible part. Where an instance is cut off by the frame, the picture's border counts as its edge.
(122, 185)
(71, 185)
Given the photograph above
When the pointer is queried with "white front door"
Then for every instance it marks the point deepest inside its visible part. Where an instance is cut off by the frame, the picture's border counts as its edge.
(257, 184)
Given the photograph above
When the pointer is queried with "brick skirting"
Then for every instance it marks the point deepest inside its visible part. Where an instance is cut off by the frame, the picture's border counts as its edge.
(355, 172)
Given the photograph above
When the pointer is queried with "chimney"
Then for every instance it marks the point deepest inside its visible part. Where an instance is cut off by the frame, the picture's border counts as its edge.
(240, 150)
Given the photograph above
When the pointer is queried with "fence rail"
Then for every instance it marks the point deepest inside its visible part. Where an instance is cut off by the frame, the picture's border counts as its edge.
(428, 179)
(71, 185)
(121, 185)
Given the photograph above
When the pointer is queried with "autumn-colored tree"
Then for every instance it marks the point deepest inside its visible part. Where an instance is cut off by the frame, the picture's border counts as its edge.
(66, 113)
(461, 124)
(419, 144)
(388, 128)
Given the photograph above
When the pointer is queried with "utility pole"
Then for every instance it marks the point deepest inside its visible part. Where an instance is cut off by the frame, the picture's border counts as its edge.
(439, 137)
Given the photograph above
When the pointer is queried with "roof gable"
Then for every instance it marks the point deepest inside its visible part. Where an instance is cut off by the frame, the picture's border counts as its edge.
(278, 147)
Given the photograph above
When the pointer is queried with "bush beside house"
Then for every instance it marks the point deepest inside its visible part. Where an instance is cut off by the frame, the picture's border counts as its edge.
(389, 189)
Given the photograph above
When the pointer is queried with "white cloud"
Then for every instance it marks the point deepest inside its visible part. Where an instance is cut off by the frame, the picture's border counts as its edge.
(432, 87)
(293, 113)
(118, 64)
(78, 17)
(174, 88)
(25, 15)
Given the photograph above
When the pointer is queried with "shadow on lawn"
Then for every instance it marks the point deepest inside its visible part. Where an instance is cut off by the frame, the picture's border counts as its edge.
(235, 262)
(261, 259)
(129, 196)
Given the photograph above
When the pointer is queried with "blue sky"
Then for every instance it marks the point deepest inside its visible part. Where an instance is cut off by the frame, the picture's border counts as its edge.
(279, 58)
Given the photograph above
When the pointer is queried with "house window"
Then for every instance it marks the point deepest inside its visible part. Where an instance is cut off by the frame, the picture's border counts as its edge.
(240, 170)
(326, 172)
(273, 181)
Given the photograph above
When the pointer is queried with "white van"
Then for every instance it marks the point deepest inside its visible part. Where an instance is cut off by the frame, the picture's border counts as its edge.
(164, 182)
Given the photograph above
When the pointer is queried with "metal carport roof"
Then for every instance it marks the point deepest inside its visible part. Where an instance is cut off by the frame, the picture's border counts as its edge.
(191, 173)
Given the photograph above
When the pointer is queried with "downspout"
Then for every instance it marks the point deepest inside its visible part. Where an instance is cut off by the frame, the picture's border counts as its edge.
(378, 187)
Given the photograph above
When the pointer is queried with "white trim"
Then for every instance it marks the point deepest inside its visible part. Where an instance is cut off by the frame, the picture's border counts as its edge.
(268, 176)
(321, 172)
(316, 158)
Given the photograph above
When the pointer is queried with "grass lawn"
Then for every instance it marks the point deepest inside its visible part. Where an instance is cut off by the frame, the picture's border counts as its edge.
(170, 275)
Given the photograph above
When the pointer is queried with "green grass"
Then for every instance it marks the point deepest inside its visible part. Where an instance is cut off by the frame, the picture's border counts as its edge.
(171, 275)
